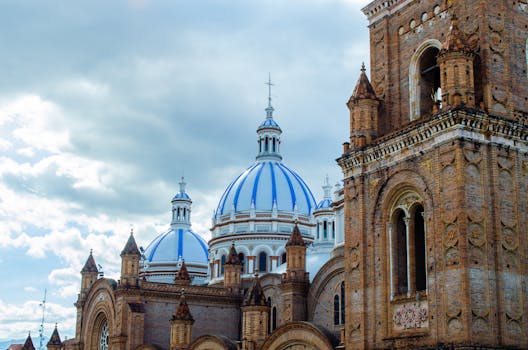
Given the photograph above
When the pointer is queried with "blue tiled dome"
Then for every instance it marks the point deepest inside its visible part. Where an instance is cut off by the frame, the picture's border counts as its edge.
(269, 123)
(181, 195)
(324, 204)
(169, 246)
(263, 184)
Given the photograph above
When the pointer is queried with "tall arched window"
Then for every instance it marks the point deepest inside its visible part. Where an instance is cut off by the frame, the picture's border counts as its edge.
(242, 259)
(222, 262)
(336, 310)
(283, 258)
(408, 246)
(274, 318)
(263, 262)
(103, 337)
(343, 302)
(325, 230)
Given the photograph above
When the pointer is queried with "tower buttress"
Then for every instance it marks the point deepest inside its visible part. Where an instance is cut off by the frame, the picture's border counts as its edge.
(456, 69)
(255, 317)
(363, 106)
(295, 281)
(233, 271)
(130, 263)
(181, 325)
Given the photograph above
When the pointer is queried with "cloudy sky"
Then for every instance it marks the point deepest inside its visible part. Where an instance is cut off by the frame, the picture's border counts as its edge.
(105, 104)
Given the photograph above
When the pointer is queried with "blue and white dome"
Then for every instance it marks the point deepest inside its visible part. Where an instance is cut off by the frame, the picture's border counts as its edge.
(177, 243)
(163, 257)
(265, 186)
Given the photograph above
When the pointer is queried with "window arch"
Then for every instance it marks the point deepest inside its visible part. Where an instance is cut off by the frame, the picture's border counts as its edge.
(222, 262)
(263, 262)
(407, 231)
(424, 79)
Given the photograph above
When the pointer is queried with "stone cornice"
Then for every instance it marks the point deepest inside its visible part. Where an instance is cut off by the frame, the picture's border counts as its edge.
(423, 134)
(380, 8)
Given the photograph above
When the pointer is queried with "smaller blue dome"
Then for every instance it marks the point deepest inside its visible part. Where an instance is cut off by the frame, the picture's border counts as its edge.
(324, 204)
(269, 123)
(181, 195)
(175, 243)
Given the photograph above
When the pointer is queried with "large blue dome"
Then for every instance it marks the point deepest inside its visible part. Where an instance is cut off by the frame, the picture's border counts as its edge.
(263, 185)
(176, 243)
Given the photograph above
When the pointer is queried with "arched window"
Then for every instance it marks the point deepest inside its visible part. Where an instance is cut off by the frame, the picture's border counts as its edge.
(273, 145)
(242, 259)
(283, 258)
(222, 262)
(343, 302)
(318, 229)
(103, 337)
(408, 241)
(336, 310)
(263, 262)
(333, 229)
(274, 318)
(424, 80)
(325, 230)
(266, 145)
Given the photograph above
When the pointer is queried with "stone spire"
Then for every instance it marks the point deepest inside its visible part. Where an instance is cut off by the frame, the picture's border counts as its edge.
(255, 294)
(28, 344)
(255, 316)
(90, 265)
(183, 276)
(363, 89)
(296, 238)
(456, 39)
(183, 313)
(55, 342)
(131, 247)
(89, 274)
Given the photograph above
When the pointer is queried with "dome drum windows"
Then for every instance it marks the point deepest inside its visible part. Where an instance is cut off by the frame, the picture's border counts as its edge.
(407, 247)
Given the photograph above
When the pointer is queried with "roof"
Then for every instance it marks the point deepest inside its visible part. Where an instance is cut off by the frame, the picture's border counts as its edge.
(181, 195)
(269, 123)
(90, 265)
(324, 204)
(295, 238)
(55, 338)
(178, 243)
(455, 39)
(131, 247)
(363, 89)
(266, 185)
(28, 345)
(255, 295)
(183, 274)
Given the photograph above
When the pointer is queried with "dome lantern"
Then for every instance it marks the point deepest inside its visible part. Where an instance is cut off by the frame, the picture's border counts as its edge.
(269, 134)
(181, 208)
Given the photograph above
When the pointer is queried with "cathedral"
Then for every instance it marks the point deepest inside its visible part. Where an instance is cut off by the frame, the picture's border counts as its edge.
(422, 245)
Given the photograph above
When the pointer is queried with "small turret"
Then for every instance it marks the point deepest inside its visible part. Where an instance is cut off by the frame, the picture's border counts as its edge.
(233, 271)
(130, 263)
(456, 69)
(183, 277)
(295, 281)
(28, 344)
(55, 342)
(89, 275)
(255, 316)
(181, 325)
(363, 106)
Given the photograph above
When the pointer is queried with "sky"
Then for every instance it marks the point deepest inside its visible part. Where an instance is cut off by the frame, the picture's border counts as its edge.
(104, 105)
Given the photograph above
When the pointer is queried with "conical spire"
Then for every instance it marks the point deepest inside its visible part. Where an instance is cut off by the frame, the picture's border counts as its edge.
(296, 238)
(131, 247)
(28, 344)
(232, 257)
(90, 265)
(55, 337)
(456, 39)
(255, 295)
(183, 313)
(363, 89)
(183, 274)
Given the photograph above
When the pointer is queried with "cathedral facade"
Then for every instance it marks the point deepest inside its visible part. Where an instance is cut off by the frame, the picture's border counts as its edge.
(424, 246)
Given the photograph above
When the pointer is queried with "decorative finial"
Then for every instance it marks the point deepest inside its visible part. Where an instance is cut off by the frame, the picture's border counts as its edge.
(363, 67)
(182, 185)
(131, 231)
(91, 250)
(269, 89)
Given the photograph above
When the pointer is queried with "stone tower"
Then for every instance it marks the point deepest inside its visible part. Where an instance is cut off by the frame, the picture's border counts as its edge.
(89, 275)
(255, 316)
(130, 263)
(436, 204)
(181, 326)
(295, 281)
(233, 271)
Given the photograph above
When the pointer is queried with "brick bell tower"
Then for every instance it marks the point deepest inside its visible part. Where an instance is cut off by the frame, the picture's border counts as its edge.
(436, 199)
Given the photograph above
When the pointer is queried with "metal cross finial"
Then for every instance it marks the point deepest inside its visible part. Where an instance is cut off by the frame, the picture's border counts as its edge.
(269, 88)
